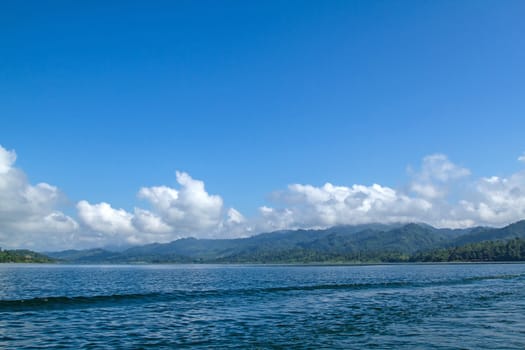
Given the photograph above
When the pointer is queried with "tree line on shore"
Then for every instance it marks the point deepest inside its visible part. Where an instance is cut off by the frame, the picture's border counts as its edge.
(23, 256)
(511, 250)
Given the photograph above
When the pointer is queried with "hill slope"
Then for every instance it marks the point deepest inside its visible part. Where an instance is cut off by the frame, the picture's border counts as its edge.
(23, 256)
(360, 243)
(480, 234)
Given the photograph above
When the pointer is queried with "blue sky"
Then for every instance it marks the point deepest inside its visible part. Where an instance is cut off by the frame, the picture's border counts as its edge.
(102, 99)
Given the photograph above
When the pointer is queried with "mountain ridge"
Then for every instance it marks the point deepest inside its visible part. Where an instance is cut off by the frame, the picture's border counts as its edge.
(366, 242)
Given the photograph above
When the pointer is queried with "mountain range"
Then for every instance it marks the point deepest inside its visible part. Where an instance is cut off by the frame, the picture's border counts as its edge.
(357, 243)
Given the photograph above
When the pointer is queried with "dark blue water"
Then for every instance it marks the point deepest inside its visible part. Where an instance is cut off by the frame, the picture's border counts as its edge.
(263, 307)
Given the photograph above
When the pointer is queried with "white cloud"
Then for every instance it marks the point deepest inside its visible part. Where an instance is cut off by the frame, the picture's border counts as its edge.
(103, 218)
(440, 193)
(146, 221)
(271, 219)
(163, 199)
(522, 158)
(28, 213)
(329, 205)
(115, 227)
(234, 217)
(7, 159)
(439, 167)
(496, 200)
(436, 173)
(189, 209)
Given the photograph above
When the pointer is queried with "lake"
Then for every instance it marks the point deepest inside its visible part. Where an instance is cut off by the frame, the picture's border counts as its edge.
(442, 306)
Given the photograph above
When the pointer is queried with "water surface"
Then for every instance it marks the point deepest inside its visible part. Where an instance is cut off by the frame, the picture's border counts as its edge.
(459, 306)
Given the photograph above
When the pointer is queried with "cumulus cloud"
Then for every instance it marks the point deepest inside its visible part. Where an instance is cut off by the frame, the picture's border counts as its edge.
(187, 211)
(7, 159)
(29, 214)
(522, 158)
(329, 205)
(271, 219)
(234, 217)
(103, 218)
(496, 200)
(30, 218)
(438, 192)
(436, 173)
(146, 221)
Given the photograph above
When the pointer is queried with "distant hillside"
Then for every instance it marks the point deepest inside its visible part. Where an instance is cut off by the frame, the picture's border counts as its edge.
(510, 250)
(84, 256)
(359, 243)
(23, 256)
(342, 244)
(480, 234)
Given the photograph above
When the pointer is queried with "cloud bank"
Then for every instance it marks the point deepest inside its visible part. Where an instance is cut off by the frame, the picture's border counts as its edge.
(439, 193)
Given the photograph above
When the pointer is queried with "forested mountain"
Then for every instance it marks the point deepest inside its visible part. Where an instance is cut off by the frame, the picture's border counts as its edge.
(481, 234)
(510, 250)
(360, 243)
(23, 256)
(84, 256)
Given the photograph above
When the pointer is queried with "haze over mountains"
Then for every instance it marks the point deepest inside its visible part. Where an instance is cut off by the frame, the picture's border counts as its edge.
(369, 242)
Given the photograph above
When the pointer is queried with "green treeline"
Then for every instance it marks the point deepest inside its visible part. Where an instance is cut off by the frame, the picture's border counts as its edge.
(511, 250)
(23, 256)
(303, 256)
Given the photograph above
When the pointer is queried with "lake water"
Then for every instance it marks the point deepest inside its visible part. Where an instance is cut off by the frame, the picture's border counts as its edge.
(463, 306)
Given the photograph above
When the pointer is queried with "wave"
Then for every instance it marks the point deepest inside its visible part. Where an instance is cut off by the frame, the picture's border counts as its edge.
(66, 302)
(59, 302)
